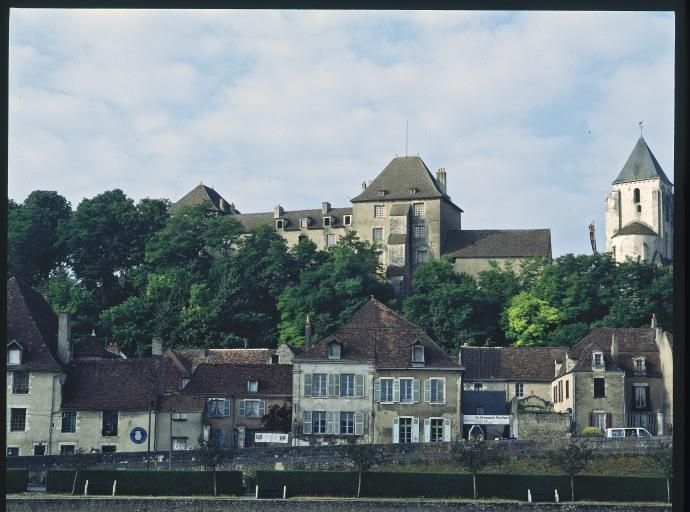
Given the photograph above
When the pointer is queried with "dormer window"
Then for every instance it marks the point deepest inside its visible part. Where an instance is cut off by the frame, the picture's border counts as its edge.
(280, 224)
(347, 220)
(639, 365)
(413, 191)
(597, 360)
(252, 386)
(14, 353)
(382, 192)
(184, 382)
(334, 350)
(327, 221)
(418, 354)
(304, 222)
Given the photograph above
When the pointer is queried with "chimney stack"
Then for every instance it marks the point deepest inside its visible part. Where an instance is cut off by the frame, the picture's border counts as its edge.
(278, 211)
(223, 205)
(614, 346)
(307, 334)
(113, 348)
(325, 208)
(156, 346)
(654, 323)
(441, 178)
(65, 337)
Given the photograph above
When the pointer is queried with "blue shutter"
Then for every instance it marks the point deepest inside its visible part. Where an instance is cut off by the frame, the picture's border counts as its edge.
(415, 390)
(262, 408)
(396, 430)
(377, 390)
(446, 430)
(427, 430)
(427, 390)
(242, 409)
(359, 385)
(359, 424)
(396, 390)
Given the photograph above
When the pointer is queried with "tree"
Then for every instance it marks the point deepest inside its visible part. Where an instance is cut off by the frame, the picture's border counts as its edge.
(363, 457)
(80, 461)
(474, 456)
(212, 454)
(662, 455)
(572, 459)
(278, 418)
(67, 294)
(496, 287)
(530, 319)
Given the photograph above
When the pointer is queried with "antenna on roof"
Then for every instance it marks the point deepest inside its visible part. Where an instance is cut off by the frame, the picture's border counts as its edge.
(407, 125)
(640, 125)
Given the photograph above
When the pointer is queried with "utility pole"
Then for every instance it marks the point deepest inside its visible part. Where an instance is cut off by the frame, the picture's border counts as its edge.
(171, 444)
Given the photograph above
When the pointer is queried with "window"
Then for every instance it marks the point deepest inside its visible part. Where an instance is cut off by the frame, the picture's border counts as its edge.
(300, 238)
(69, 422)
(12, 451)
(377, 234)
(217, 407)
(108, 448)
(382, 192)
(599, 387)
(418, 209)
(598, 360)
(252, 408)
(405, 432)
(327, 221)
(319, 384)
(17, 420)
(413, 191)
(639, 208)
(436, 430)
(20, 383)
(386, 390)
(347, 422)
(109, 427)
(478, 386)
(334, 350)
(639, 365)
(379, 211)
(14, 356)
(318, 422)
(519, 389)
(252, 386)
(67, 449)
(599, 420)
(347, 385)
(420, 231)
(640, 397)
(418, 354)
(560, 391)
(437, 389)
(39, 449)
(347, 220)
(179, 416)
(406, 391)
(636, 195)
(330, 239)
(275, 359)
(304, 223)
(280, 224)
(567, 389)
(422, 256)
(179, 443)
(184, 382)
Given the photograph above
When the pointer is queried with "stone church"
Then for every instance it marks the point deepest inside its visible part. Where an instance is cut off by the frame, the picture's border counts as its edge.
(639, 210)
(407, 211)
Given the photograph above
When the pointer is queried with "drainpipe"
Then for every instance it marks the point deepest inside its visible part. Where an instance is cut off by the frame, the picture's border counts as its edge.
(52, 416)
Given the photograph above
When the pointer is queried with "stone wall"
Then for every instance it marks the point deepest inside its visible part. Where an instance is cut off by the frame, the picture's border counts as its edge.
(536, 425)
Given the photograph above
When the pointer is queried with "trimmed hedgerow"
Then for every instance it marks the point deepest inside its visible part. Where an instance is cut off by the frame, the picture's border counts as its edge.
(620, 488)
(16, 480)
(150, 483)
(309, 483)
(514, 487)
(409, 485)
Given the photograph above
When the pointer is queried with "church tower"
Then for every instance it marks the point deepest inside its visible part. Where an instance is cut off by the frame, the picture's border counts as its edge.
(639, 210)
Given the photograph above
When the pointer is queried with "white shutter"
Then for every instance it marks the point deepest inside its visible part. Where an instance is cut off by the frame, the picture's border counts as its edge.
(336, 385)
(415, 391)
(226, 407)
(359, 424)
(415, 430)
(427, 430)
(240, 437)
(329, 422)
(336, 422)
(396, 390)
(359, 385)
(443, 391)
(331, 384)
(242, 409)
(307, 384)
(396, 430)
(377, 390)
(427, 390)
(446, 430)
(262, 408)
(306, 422)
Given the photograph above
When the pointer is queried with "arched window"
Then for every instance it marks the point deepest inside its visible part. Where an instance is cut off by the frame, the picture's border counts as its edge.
(636, 195)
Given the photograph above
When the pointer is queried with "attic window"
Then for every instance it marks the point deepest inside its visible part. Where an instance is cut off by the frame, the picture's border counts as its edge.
(275, 359)
(14, 353)
(327, 221)
(280, 224)
(347, 220)
(334, 350)
(413, 191)
(382, 192)
(639, 365)
(252, 386)
(304, 222)
(418, 355)
(597, 360)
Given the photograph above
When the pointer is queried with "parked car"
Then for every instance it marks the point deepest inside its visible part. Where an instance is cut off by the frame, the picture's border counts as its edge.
(628, 432)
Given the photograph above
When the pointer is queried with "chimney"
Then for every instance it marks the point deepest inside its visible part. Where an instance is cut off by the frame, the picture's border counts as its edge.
(156, 346)
(654, 323)
(614, 346)
(325, 208)
(223, 205)
(307, 334)
(441, 177)
(65, 337)
(364, 186)
(113, 348)
(278, 211)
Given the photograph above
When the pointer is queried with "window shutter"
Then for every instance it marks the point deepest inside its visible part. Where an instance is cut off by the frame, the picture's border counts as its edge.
(262, 408)
(591, 419)
(329, 422)
(359, 385)
(647, 403)
(415, 390)
(306, 422)
(242, 409)
(442, 390)
(608, 420)
(427, 430)
(415, 430)
(396, 430)
(307, 384)
(226, 407)
(446, 430)
(359, 424)
(396, 390)
(336, 422)
(241, 437)
(427, 390)
(377, 390)
(331, 384)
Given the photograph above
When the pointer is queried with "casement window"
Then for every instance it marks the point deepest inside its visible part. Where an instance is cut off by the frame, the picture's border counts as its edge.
(318, 422)
(418, 209)
(217, 407)
(304, 222)
(280, 224)
(347, 423)
(406, 391)
(639, 366)
(377, 234)
(437, 430)
(379, 211)
(419, 231)
(519, 389)
(387, 390)
(319, 386)
(599, 387)
(108, 448)
(636, 195)
(598, 360)
(405, 430)
(435, 391)
(110, 423)
(347, 385)
(347, 220)
(14, 353)
(382, 192)
(330, 240)
(600, 419)
(252, 408)
(20, 383)
(39, 449)
(17, 420)
(418, 355)
(179, 443)
(327, 221)
(640, 398)
(334, 350)
(560, 390)
(252, 386)
(422, 256)
(67, 449)
(333, 423)
(69, 422)
(13, 451)
(414, 191)
(555, 394)
(567, 389)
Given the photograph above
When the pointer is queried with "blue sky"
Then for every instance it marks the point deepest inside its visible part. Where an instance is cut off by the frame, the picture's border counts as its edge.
(531, 113)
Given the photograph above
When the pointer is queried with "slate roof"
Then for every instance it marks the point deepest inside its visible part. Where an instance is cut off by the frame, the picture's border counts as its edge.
(201, 194)
(250, 220)
(498, 243)
(32, 323)
(191, 358)
(92, 347)
(400, 175)
(229, 379)
(635, 228)
(641, 165)
(119, 384)
(376, 333)
(481, 363)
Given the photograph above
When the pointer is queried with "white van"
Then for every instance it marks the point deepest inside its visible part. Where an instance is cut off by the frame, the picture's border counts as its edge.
(628, 432)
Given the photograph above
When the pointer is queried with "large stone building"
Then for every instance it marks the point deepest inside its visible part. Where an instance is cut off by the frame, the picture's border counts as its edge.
(407, 211)
(639, 210)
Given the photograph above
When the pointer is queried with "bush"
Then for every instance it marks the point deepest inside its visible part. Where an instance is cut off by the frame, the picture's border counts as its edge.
(150, 483)
(16, 480)
(592, 432)
(310, 483)
(412, 485)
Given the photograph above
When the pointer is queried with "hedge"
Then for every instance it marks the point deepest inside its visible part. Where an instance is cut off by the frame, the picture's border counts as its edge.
(514, 487)
(620, 488)
(409, 485)
(16, 480)
(150, 483)
(309, 483)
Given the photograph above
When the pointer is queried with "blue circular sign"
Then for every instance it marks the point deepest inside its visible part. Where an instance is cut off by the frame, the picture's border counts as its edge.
(138, 435)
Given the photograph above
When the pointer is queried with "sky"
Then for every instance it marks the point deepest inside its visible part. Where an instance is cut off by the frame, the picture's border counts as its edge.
(532, 114)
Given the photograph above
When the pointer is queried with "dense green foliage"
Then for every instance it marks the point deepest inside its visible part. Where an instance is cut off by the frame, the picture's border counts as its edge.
(16, 480)
(150, 483)
(309, 483)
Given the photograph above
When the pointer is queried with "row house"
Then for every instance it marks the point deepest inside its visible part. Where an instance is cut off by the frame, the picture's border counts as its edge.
(377, 379)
